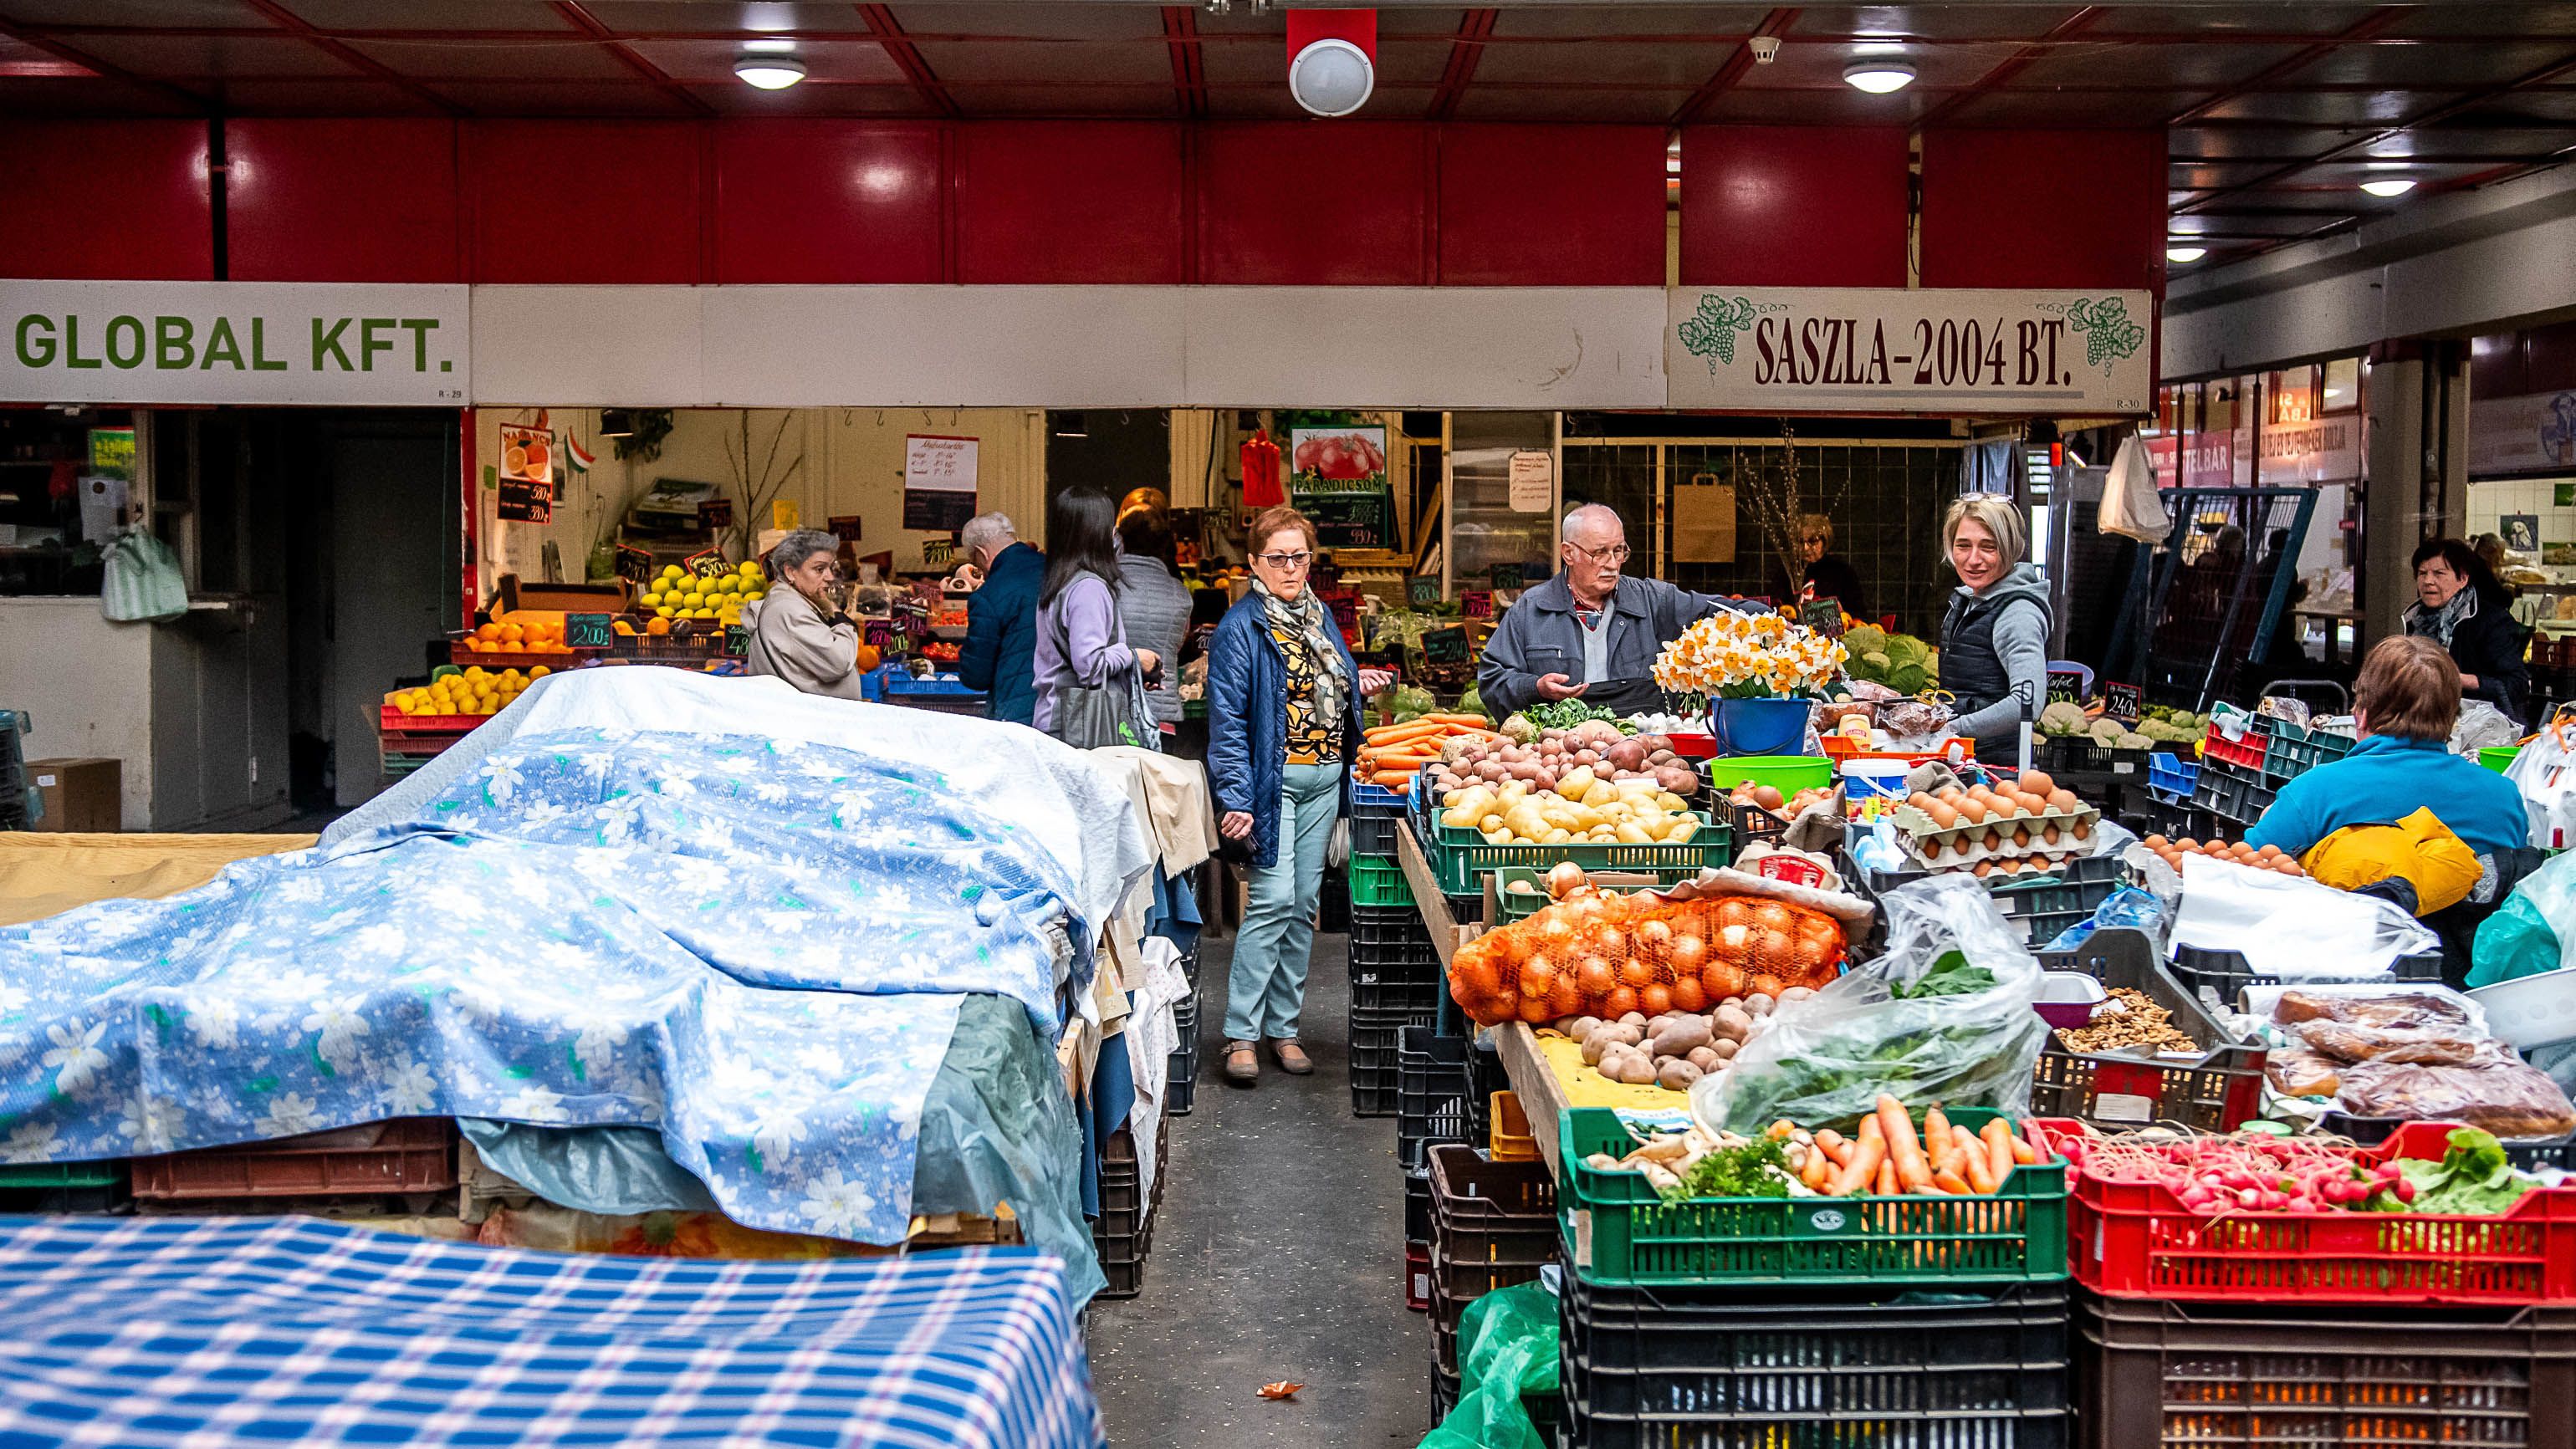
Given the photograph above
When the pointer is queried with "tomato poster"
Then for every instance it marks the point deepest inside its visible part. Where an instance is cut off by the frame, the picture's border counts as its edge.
(527, 475)
(1337, 477)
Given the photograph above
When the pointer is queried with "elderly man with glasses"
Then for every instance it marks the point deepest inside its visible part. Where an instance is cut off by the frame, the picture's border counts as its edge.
(1589, 632)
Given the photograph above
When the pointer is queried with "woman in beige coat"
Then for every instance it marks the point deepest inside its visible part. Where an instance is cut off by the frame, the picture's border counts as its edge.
(797, 633)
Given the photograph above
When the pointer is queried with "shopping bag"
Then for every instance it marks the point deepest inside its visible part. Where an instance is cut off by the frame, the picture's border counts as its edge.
(2131, 506)
(2292, 927)
(143, 581)
(2545, 772)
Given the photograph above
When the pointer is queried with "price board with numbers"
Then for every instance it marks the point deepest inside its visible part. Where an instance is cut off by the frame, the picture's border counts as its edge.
(1825, 616)
(2065, 686)
(1506, 577)
(1444, 646)
(634, 564)
(2122, 702)
(1421, 590)
(1475, 603)
(706, 563)
(737, 641)
(588, 631)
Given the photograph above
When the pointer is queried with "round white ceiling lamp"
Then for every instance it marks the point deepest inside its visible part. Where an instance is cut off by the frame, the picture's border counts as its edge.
(1331, 77)
(2185, 254)
(2389, 186)
(1878, 77)
(768, 70)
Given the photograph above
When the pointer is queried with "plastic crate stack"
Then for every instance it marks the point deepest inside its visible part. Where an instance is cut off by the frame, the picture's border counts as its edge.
(1181, 1075)
(1493, 1224)
(1430, 1094)
(2333, 1327)
(2239, 778)
(1124, 1232)
(18, 803)
(1395, 970)
(2040, 908)
(2216, 1091)
(1714, 1323)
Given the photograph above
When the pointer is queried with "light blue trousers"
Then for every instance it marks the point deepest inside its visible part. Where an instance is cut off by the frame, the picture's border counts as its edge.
(1267, 987)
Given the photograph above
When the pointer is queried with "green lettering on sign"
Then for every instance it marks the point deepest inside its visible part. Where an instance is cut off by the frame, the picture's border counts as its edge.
(221, 345)
(260, 361)
(369, 344)
(125, 326)
(330, 342)
(28, 354)
(174, 343)
(71, 344)
(420, 328)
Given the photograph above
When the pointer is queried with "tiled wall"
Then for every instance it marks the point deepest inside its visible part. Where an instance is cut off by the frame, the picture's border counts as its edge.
(2489, 503)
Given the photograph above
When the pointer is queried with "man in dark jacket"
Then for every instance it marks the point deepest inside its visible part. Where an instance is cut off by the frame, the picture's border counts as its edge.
(1588, 631)
(1002, 619)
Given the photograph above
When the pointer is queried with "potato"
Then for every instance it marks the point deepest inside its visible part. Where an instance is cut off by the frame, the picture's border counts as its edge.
(1682, 780)
(1636, 1070)
(1583, 1026)
(1676, 1075)
(1678, 1037)
(1596, 1046)
(1627, 755)
(1733, 1023)
(1706, 1059)
(1725, 1049)
(1759, 1004)
(1634, 1018)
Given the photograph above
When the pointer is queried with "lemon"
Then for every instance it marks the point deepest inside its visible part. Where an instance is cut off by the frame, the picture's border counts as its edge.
(652, 600)
(539, 672)
(663, 612)
(670, 571)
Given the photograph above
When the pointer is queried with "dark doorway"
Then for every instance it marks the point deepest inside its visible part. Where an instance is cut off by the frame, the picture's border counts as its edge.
(1112, 450)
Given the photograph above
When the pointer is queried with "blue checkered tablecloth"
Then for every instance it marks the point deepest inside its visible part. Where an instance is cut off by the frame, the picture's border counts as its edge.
(204, 1333)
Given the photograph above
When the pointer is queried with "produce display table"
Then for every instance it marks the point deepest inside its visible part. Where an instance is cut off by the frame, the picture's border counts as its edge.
(1542, 1095)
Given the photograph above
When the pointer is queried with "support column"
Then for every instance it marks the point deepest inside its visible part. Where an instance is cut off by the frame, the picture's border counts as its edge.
(2418, 479)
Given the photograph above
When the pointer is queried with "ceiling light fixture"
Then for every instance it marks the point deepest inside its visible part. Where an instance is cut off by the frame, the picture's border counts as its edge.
(1879, 77)
(768, 70)
(2185, 254)
(2390, 186)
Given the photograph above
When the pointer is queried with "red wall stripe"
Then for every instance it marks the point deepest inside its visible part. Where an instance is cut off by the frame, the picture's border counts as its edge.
(2044, 209)
(106, 199)
(1793, 206)
(1070, 202)
(1315, 204)
(584, 202)
(828, 201)
(1570, 206)
(342, 200)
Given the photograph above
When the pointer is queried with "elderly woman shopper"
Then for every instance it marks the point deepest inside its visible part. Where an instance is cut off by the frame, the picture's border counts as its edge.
(1153, 605)
(2460, 606)
(1994, 641)
(1082, 656)
(1283, 718)
(798, 633)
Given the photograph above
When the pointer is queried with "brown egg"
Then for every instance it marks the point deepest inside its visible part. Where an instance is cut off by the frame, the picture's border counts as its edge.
(1942, 816)
(1972, 810)
(2064, 800)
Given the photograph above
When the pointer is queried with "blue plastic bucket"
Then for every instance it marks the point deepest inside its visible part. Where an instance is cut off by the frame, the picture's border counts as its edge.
(1759, 726)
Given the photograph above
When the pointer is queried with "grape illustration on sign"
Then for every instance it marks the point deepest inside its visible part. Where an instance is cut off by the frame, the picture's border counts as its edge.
(2109, 335)
(1711, 331)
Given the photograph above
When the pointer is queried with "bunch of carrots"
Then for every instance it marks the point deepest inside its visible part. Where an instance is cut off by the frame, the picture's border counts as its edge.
(1392, 755)
(1886, 1158)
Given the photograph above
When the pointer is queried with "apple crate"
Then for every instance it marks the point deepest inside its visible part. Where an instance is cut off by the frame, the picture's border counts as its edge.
(405, 1155)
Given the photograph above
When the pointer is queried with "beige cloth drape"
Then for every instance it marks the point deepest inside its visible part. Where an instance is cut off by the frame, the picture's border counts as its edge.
(44, 874)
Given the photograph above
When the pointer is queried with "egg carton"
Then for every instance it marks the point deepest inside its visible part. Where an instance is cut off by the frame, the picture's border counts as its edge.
(1976, 855)
(1920, 827)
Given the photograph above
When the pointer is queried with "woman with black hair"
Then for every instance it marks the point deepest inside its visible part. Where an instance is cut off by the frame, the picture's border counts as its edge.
(2460, 606)
(1081, 644)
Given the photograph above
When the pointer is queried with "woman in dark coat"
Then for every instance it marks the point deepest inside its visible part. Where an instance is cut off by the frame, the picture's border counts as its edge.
(2460, 606)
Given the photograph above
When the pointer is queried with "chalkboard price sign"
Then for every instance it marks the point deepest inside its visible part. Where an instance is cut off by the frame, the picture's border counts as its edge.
(1420, 591)
(588, 631)
(2121, 702)
(1475, 603)
(2065, 686)
(1507, 576)
(634, 564)
(737, 641)
(1444, 646)
(1825, 616)
(706, 563)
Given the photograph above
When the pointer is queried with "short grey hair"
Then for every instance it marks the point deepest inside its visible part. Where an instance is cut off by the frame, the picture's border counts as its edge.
(1996, 514)
(1594, 516)
(987, 530)
(793, 550)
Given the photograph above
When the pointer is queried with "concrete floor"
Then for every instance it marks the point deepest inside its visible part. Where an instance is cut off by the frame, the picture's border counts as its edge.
(1279, 1254)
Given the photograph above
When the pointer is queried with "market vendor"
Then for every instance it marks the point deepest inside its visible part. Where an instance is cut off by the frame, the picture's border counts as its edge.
(1994, 640)
(2460, 605)
(798, 633)
(1588, 632)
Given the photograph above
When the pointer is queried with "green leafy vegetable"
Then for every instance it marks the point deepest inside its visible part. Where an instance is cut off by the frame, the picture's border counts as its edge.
(1745, 1171)
(1951, 975)
(2472, 1177)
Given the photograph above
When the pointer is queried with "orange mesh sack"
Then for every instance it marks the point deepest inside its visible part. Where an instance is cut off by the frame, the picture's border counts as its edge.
(1606, 954)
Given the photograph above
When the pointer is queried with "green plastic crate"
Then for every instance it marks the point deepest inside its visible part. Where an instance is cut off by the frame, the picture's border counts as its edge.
(1458, 856)
(1787, 774)
(62, 1174)
(1617, 1231)
(1518, 905)
(1378, 880)
(2499, 758)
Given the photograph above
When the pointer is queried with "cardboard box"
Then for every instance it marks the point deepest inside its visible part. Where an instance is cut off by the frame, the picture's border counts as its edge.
(86, 795)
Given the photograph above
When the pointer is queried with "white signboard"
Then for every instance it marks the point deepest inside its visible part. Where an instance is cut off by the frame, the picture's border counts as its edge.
(1533, 482)
(940, 464)
(234, 342)
(2320, 450)
(1888, 350)
(2531, 433)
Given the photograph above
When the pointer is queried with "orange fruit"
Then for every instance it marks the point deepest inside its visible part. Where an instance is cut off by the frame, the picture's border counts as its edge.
(513, 634)
(488, 631)
(657, 626)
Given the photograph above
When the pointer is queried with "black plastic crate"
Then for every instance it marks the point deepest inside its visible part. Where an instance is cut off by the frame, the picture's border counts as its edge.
(1375, 1035)
(1181, 1075)
(1417, 1206)
(2528, 1155)
(2041, 910)
(1430, 1093)
(1485, 1077)
(1373, 831)
(1714, 1369)
(1493, 1224)
(1383, 936)
(2263, 1376)
(2215, 1093)
(2227, 973)
(2097, 763)
(1124, 1232)
(1751, 822)
(2231, 792)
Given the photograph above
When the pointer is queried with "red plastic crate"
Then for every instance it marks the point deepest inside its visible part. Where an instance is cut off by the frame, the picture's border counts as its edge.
(405, 1155)
(1417, 1276)
(2132, 1240)
(2247, 752)
(395, 721)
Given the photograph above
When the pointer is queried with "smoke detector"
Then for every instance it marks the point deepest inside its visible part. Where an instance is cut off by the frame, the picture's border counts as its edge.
(1766, 49)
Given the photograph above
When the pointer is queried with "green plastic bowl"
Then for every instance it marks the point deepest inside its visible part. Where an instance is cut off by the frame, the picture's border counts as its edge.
(1787, 774)
(2499, 758)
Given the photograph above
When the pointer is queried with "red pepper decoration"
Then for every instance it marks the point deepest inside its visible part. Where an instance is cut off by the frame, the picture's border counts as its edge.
(1261, 481)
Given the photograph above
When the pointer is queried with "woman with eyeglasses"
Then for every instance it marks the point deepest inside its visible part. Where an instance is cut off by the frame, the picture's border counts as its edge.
(798, 633)
(1283, 718)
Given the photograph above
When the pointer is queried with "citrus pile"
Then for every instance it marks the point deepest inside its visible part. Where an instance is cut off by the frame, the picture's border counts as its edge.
(476, 691)
(679, 595)
(525, 636)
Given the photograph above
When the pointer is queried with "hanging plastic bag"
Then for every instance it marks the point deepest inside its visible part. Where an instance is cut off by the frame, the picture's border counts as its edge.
(2131, 506)
(1506, 1348)
(143, 581)
(2545, 772)
(2531, 931)
(1944, 1016)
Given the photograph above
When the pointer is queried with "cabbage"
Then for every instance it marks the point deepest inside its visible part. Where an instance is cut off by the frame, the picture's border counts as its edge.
(1410, 701)
(1907, 679)
(1472, 702)
(1865, 639)
(1905, 649)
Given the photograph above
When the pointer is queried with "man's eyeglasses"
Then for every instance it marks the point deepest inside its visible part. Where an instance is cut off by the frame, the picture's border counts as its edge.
(1616, 553)
(1286, 560)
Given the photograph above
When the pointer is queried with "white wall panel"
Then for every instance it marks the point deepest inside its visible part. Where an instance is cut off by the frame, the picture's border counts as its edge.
(588, 346)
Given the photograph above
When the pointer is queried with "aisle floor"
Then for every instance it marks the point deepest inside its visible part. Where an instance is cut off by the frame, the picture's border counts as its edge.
(1278, 1255)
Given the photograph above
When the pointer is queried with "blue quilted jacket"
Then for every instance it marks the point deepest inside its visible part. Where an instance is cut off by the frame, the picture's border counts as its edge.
(1247, 713)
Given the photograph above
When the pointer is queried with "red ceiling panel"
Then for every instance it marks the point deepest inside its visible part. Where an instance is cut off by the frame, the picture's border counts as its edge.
(1551, 206)
(828, 201)
(342, 201)
(106, 199)
(1793, 206)
(1313, 203)
(585, 202)
(1070, 202)
(2043, 209)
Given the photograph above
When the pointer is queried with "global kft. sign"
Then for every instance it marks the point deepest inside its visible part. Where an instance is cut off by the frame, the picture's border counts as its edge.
(242, 342)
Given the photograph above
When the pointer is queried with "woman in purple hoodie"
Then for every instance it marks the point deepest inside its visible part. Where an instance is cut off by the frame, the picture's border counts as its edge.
(1080, 641)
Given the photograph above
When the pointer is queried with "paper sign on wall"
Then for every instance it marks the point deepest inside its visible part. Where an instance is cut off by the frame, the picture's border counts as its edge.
(1533, 482)
(1703, 521)
(527, 475)
(938, 482)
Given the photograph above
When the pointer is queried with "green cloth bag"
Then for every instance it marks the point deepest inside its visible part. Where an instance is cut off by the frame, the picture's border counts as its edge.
(1506, 1348)
(143, 580)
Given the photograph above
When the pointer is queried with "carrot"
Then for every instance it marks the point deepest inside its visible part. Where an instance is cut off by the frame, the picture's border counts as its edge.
(1478, 720)
(1981, 1169)
(1999, 1154)
(1818, 1168)
(1936, 1140)
(1951, 1183)
(1913, 1169)
(1389, 734)
(1837, 1147)
(1864, 1168)
(1886, 1186)
(2023, 1152)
